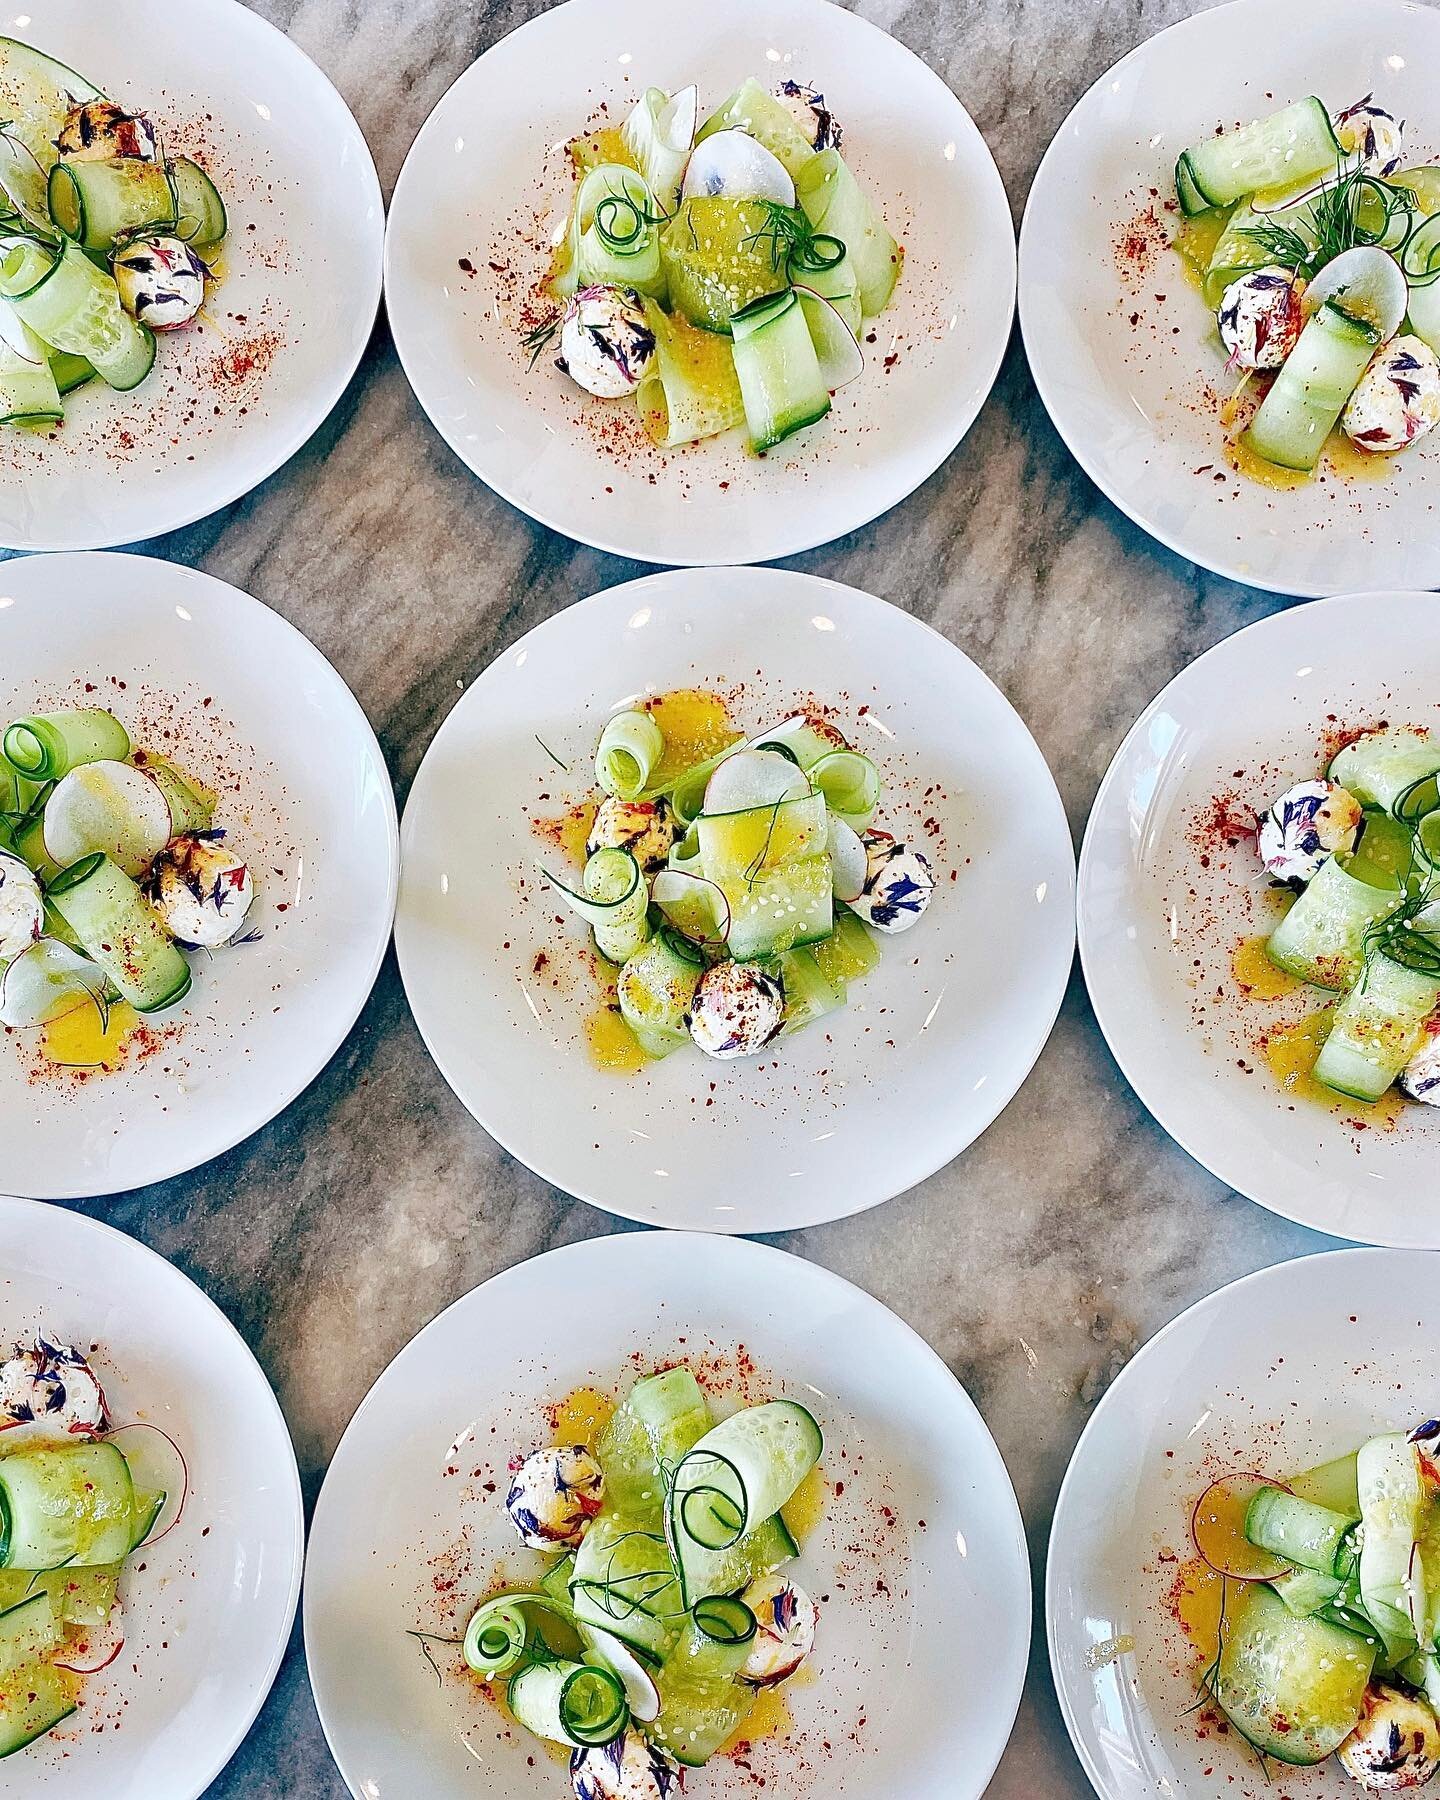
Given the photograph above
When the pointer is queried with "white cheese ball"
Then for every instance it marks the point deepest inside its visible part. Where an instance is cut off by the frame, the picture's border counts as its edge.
(606, 344)
(48, 1390)
(22, 910)
(1377, 136)
(1305, 828)
(806, 105)
(201, 890)
(631, 1768)
(1260, 318)
(898, 883)
(646, 828)
(1420, 1078)
(736, 1010)
(1398, 399)
(1395, 1745)
(161, 282)
(785, 1622)
(554, 1494)
(100, 131)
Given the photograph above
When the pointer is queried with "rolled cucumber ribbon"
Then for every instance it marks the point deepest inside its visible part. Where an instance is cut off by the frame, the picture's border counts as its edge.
(630, 747)
(48, 745)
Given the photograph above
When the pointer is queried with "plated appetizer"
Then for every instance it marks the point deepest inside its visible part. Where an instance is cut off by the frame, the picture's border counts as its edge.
(719, 273)
(664, 1611)
(1326, 1642)
(112, 870)
(105, 240)
(734, 884)
(1360, 848)
(1319, 251)
(74, 1511)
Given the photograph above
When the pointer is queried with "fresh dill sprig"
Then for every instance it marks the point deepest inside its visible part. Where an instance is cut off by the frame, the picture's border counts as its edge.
(542, 335)
(793, 241)
(1355, 211)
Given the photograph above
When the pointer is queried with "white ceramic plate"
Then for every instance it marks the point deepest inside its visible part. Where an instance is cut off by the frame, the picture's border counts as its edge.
(208, 1616)
(1275, 1373)
(1158, 929)
(479, 182)
(259, 714)
(226, 403)
(932, 1044)
(932, 1662)
(1123, 347)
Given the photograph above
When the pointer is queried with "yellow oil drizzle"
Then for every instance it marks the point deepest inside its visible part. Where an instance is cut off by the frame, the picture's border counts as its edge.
(1340, 457)
(581, 1417)
(1290, 1054)
(1257, 977)
(694, 724)
(613, 1045)
(1198, 1597)
(1245, 462)
(84, 1039)
(592, 148)
(806, 1507)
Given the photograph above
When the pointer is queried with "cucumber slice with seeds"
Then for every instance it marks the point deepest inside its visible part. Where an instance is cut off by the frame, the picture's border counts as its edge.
(1274, 152)
(1322, 938)
(1312, 389)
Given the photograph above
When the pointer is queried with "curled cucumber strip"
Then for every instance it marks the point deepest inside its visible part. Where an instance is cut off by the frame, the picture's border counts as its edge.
(630, 747)
(850, 783)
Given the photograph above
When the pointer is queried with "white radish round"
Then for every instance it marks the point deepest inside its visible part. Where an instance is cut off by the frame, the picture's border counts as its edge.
(111, 807)
(1367, 284)
(753, 778)
(841, 358)
(45, 982)
(640, 1691)
(849, 863)
(737, 166)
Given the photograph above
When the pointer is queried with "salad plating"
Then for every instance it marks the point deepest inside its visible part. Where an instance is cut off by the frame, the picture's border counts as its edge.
(73, 1511)
(1360, 847)
(111, 867)
(104, 240)
(665, 1612)
(735, 885)
(1329, 1610)
(721, 273)
(1320, 255)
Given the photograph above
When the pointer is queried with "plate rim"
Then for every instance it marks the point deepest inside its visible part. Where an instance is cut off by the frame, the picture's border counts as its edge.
(1347, 1253)
(743, 1249)
(1284, 618)
(1223, 566)
(801, 540)
(178, 518)
(187, 573)
(760, 576)
(23, 1208)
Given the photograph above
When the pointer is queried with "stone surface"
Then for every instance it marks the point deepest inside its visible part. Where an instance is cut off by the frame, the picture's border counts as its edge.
(1039, 1261)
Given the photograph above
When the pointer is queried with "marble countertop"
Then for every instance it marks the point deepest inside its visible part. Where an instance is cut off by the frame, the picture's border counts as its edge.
(1040, 1260)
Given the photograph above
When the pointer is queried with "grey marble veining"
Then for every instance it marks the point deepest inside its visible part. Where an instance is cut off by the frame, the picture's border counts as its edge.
(1039, 1261)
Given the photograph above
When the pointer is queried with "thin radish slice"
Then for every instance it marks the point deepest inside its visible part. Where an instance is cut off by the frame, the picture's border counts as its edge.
(841, 358)
(1367, 284)
(111, 807)
(47, 981)
(754, 778)
(739, 167)
(695, 906)
(848, 862)
(640, 1691)
(156, 1462)
(1218, 1528)
(96, 1647)
(18, 336)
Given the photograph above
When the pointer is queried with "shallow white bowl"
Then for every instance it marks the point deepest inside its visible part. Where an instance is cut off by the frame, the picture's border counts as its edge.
(933, 1663)
(476, 177)
(1258, 703)
(314, 813)
(207, 1618)
(1125, 398)
(1277, 1372)
(932, 1044)
(302, 275)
